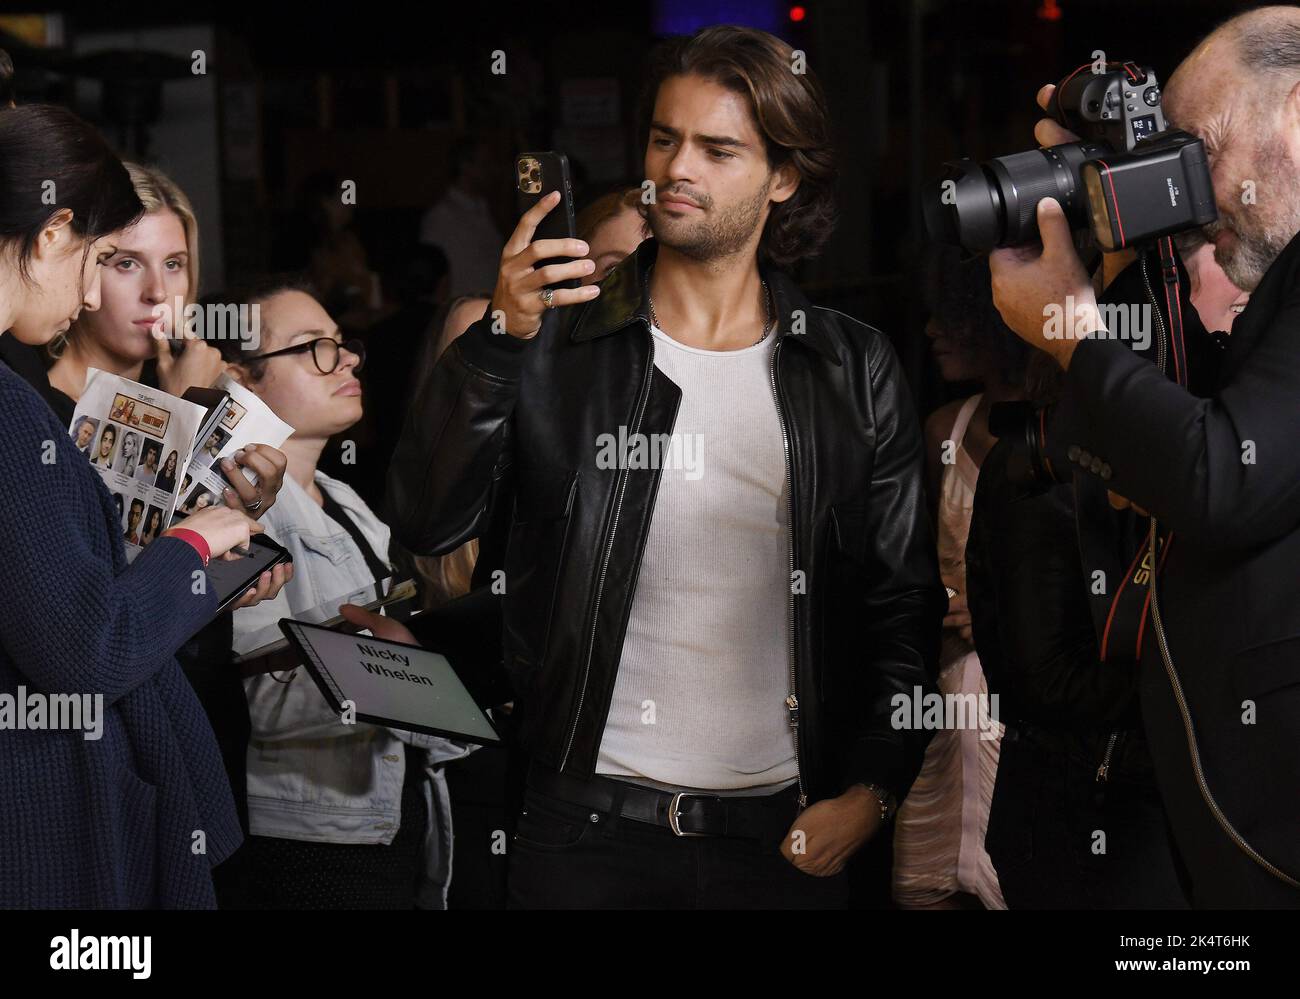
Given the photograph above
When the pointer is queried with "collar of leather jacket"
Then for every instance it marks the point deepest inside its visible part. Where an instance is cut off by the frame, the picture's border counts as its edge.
(623, 299)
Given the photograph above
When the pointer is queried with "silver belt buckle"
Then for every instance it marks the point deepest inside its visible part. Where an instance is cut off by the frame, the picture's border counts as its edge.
(673, 819)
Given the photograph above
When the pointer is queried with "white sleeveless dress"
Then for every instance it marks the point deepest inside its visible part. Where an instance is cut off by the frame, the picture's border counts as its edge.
(939, 839)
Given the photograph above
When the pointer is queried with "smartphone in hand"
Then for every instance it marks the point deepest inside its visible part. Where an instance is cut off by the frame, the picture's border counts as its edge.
(536, 176)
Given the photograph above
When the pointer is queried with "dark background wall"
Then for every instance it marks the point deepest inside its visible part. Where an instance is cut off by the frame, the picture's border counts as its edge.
(378, 93)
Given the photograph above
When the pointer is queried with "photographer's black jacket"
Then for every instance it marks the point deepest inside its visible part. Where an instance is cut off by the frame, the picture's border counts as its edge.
(1224, 474)
(502, 414)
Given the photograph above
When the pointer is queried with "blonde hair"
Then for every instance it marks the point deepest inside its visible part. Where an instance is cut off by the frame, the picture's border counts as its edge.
(158, 193)
(446, 577)
(605, 208)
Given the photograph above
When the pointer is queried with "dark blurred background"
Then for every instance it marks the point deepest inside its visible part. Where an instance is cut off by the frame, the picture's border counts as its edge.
(292, 101)
(262, 112)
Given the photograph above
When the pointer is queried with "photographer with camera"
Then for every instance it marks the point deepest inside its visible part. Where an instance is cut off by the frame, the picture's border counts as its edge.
(1220, 474)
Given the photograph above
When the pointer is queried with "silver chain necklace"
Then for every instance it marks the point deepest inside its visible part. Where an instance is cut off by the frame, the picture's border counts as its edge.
(767, 309)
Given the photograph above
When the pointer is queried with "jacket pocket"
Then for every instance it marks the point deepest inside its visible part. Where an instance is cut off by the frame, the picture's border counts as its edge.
(137, 819)
(332, 547)
(1265, 668)
(534, 553)
(837, 591)
(848, 529)
(1016, 805)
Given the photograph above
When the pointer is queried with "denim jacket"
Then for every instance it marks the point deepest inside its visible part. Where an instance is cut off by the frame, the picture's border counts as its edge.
(311, 777)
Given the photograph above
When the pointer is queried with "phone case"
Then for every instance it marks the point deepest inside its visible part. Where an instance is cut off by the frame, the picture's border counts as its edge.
(537, 175)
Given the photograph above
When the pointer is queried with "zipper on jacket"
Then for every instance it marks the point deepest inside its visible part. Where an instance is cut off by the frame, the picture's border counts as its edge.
(1103, 771)
(1162, 346)
(619, 490)
(792, 700)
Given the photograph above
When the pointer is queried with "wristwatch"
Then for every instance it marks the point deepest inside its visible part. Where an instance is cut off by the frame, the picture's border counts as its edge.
(888, 803)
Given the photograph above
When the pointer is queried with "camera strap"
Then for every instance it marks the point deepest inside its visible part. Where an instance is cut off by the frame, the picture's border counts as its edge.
(1173, 309)
(1116, 542)
(1170, 278)
(1116, 556)
(1160, 540)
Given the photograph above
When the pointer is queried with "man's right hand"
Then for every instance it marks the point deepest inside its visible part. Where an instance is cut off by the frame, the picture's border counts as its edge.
(519, 283)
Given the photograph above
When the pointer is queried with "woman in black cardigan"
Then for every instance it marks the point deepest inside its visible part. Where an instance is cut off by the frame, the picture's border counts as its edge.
(141, 805)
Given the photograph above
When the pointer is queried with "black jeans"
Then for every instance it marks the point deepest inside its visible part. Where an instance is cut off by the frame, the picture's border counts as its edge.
(564, 856)
(1060, 840)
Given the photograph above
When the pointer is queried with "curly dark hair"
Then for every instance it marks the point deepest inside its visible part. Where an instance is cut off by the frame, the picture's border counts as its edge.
(959, 294)
(791, 112)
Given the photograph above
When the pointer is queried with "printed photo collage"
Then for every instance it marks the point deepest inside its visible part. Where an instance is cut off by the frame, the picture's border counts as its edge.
(146, 446)
(247, 420)
(128, 444)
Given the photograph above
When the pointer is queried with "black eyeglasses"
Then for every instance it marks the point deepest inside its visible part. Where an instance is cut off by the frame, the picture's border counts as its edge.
(324, 352)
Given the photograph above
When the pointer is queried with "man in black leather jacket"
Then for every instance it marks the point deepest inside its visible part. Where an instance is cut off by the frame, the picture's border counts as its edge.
(518, 406)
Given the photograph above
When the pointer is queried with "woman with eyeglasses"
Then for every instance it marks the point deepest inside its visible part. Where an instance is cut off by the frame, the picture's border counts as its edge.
(341, 816)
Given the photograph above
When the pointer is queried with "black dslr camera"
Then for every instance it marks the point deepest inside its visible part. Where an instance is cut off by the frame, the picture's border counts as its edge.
(1129, 179)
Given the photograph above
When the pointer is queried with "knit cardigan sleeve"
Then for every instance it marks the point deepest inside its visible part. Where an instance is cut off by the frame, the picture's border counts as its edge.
(70, 620)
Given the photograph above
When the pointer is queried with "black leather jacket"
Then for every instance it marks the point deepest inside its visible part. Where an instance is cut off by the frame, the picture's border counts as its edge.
(504, 417)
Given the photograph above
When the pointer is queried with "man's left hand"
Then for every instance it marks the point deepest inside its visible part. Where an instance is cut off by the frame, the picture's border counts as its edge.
(827, 834)
(1030, 284)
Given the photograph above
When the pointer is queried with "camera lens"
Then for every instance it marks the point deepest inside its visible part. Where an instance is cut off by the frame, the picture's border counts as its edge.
(967, 209)
(984, 205)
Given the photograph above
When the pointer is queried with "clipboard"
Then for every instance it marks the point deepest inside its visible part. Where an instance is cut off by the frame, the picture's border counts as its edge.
(269, 640)
(392, 684)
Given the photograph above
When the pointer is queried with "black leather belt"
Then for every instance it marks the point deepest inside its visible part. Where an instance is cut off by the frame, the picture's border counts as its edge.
(761, 817)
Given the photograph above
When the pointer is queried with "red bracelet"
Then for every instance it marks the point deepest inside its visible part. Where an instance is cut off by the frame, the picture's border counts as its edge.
(192, 538)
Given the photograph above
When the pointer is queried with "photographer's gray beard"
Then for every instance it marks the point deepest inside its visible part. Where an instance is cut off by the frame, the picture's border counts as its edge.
(1267, 236)
(1247, 262)
(710, 240)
